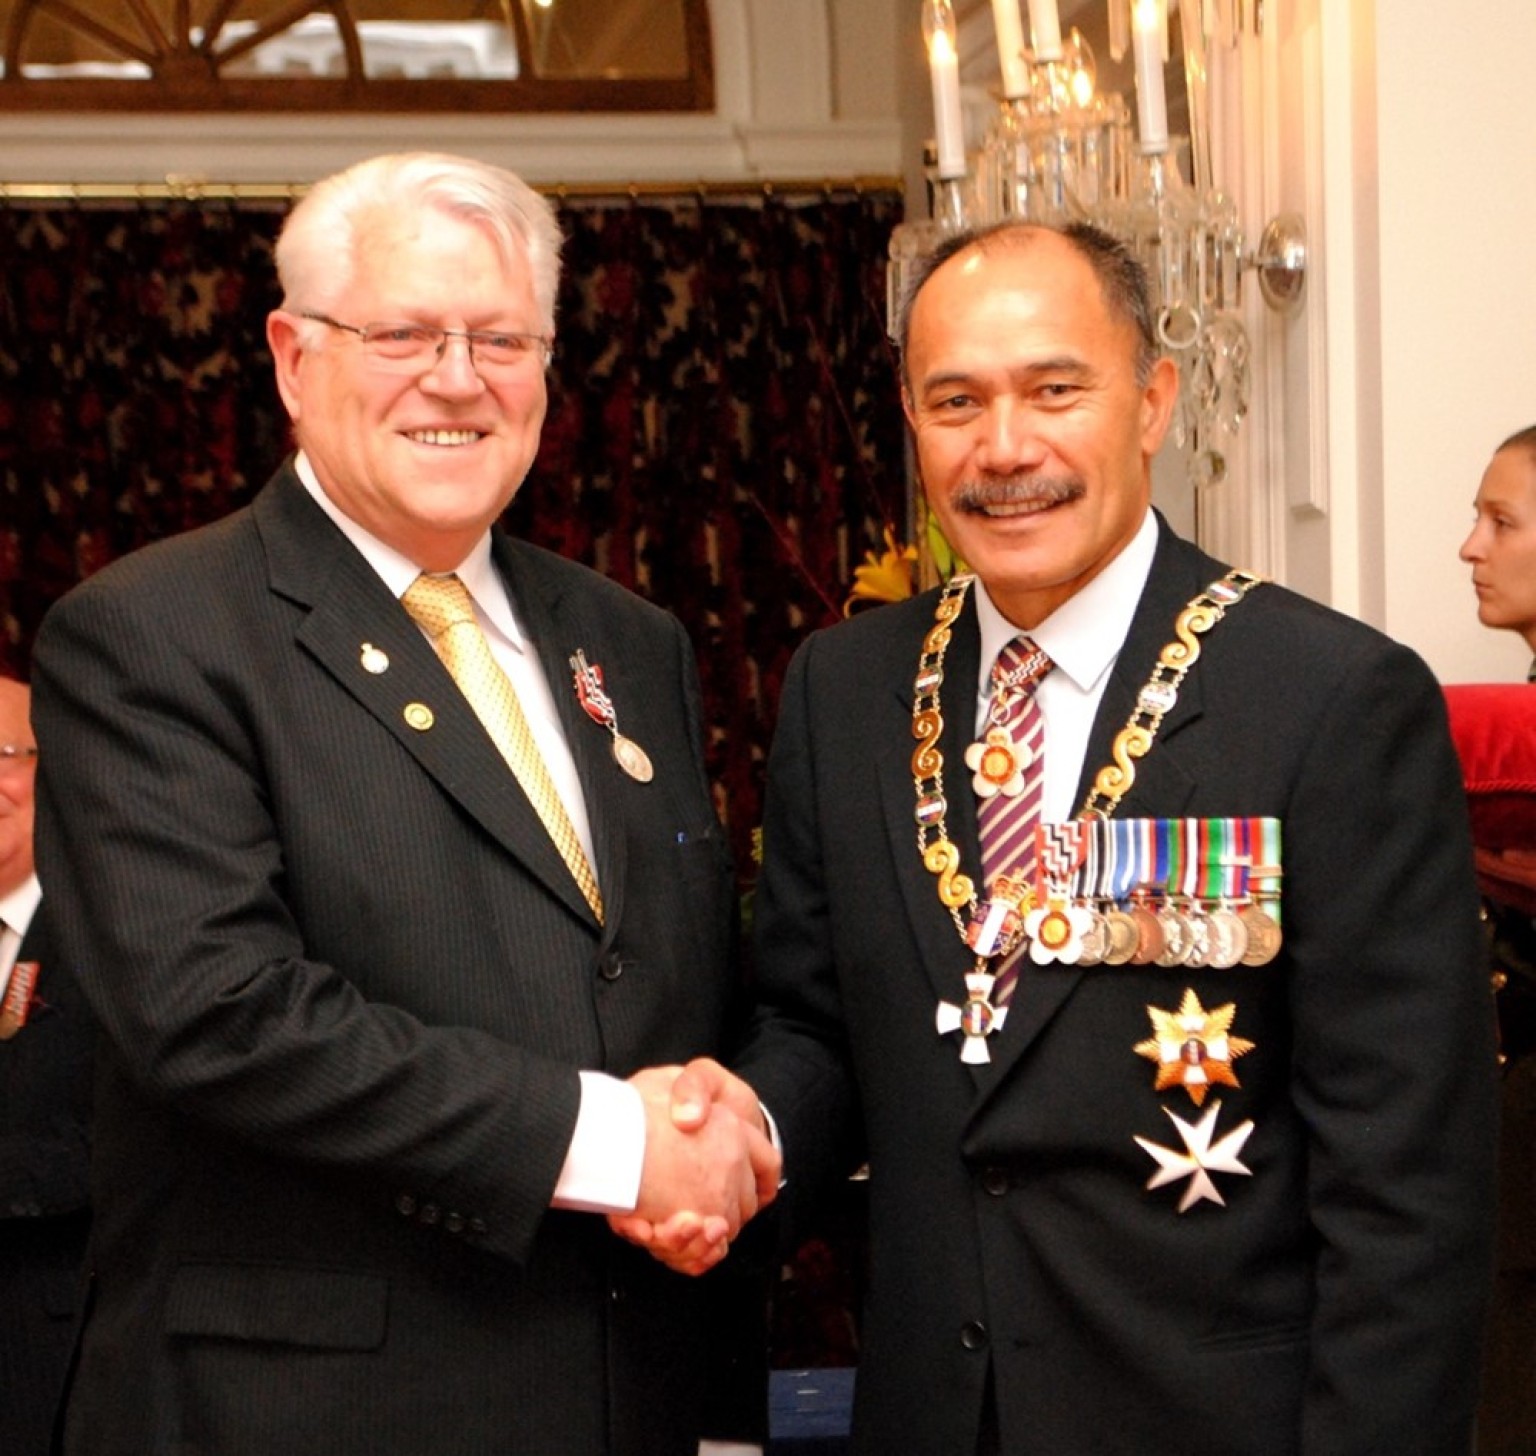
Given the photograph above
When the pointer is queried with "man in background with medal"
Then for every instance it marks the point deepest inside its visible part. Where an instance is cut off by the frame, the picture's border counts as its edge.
(1178, 1115)
(45, 1114)
(383, 847)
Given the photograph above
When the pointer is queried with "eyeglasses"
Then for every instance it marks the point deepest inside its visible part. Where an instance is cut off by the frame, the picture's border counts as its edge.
(14, 755)
(406, 348)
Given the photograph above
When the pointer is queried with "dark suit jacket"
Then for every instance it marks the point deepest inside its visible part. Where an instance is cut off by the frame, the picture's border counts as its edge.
(345, 983)
(1333, 1304)
(45, 1120)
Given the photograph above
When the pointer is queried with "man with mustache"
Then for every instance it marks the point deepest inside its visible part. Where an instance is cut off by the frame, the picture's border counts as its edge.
(1178, 1116)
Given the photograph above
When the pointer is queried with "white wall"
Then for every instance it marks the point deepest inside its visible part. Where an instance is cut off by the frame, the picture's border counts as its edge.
(1457, 175)
(1437, 264)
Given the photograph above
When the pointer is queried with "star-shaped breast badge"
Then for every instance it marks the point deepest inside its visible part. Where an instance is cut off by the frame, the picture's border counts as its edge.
(1193, 1048)
(1200, 1157)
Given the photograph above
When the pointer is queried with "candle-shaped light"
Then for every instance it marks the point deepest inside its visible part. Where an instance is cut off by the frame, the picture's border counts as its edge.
(1045, 27)
(1010, 47)
(1119, 29)
(1151, 105)
(944, 73)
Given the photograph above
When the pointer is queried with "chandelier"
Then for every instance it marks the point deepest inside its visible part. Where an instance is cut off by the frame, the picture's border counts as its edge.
(1058, 151)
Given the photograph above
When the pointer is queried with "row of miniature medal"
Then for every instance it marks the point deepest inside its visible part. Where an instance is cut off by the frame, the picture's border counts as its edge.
(1166, 892)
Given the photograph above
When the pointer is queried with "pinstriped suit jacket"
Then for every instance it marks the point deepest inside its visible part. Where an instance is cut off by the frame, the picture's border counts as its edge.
(346, 983)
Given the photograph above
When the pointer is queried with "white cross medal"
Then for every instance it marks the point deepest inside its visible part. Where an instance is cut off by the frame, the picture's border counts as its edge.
(977, 1019)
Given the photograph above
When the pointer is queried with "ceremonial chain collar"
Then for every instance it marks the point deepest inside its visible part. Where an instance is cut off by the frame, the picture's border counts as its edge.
(1110, 784)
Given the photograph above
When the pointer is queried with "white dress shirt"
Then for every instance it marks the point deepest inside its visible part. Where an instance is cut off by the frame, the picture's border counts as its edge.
(1082, 637)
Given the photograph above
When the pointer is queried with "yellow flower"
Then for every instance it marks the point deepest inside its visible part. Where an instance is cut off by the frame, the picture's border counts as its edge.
(886, 578)
(945, 562)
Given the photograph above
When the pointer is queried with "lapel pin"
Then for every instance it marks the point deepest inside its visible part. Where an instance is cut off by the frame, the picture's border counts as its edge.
(419, 716)
(373, 659)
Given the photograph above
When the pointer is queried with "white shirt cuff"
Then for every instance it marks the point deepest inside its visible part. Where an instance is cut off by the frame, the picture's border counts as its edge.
(607, 1153)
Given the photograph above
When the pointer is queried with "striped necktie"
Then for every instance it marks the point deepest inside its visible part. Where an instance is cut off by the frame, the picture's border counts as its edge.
(1007, 822)
(441, 606)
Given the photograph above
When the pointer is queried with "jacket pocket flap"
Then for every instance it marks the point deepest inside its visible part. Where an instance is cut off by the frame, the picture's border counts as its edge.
(325, 1309)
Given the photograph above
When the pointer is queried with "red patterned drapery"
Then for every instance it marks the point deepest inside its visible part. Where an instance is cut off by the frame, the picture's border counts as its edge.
(723, 434)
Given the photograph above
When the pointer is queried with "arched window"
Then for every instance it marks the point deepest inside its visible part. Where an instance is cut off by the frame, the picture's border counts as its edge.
(356, 55)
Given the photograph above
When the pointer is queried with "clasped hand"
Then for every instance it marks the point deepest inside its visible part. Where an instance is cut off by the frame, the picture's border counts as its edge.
(709, 1165)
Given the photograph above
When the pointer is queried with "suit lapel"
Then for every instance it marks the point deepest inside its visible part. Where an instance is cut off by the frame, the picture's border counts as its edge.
(351, 610)
(943, 954)
(35, 944)
(1179, 572)
(558, 625)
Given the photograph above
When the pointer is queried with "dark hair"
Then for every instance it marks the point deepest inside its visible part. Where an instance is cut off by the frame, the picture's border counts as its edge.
(1122, 279)
(1521, 440)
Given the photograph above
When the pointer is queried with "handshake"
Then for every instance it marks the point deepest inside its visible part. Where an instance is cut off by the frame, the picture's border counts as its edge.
(709, 1165)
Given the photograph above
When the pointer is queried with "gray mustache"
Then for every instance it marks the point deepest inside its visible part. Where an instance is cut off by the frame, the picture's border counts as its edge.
(1017, 490)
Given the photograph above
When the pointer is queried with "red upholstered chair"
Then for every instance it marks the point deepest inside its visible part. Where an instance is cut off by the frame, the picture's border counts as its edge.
(1494, 725)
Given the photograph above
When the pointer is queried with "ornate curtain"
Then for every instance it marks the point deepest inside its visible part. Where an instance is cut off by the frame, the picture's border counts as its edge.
(723, 436)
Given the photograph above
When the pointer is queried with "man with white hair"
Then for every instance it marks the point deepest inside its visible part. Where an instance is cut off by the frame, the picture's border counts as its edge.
(384, 849)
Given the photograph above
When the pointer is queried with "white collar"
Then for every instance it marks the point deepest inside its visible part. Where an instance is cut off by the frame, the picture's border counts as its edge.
(18, 906)
(1083, 636)
(397, 571)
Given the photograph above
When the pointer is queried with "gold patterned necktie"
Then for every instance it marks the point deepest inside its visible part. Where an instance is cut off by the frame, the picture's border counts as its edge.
(442, 607)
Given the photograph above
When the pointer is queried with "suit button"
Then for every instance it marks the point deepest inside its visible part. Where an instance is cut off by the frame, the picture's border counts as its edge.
(406, 1204)
(995, 1181)
(428, 1214)
(612, 966)
(477, 1225)
(973, 1335)
(454, 1223)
